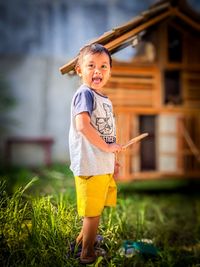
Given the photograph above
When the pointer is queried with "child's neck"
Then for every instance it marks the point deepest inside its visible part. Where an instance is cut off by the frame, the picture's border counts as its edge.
(98, 91)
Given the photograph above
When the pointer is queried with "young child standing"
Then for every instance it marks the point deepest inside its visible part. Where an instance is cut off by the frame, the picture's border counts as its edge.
(92, 144)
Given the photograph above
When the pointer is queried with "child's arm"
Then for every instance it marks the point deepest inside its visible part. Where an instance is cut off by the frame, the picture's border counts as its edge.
(84, 126)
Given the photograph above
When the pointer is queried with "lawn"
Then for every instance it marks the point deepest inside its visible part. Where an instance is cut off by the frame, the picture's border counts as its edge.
(38, 221)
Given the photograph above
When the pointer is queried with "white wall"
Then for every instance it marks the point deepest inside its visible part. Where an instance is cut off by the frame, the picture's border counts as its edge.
(167, 143)
(43, 99)
(38, 37)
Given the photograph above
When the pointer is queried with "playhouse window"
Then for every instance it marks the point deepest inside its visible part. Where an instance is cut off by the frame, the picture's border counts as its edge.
(172, 89)
(174, 45)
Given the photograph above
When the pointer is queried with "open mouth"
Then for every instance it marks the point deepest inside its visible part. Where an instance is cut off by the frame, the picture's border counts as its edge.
(96, 80)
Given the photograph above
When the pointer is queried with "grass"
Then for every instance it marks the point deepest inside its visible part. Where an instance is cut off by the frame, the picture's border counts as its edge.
(38, 220)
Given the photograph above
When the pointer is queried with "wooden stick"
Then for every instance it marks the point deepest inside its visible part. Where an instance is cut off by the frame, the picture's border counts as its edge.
(135, 140)
(190, 142)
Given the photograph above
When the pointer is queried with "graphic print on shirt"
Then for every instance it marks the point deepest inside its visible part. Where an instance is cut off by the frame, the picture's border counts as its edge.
(105, 124)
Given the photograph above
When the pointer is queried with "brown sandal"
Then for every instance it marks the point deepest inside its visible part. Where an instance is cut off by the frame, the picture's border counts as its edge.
(88, 260)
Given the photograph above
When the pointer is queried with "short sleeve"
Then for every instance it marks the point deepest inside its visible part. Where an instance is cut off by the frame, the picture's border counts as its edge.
(83, 102)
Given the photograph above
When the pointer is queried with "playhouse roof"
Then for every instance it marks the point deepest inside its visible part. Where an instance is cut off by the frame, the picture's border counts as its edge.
(122, 36)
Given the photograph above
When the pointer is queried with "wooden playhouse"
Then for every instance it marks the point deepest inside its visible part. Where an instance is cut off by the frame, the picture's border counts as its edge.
(157, 91)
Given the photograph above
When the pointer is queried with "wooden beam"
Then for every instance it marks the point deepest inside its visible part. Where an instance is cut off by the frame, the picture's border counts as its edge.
(68, 66)
(117, 42)
(155, 110)
(187, 19)
(124, 38)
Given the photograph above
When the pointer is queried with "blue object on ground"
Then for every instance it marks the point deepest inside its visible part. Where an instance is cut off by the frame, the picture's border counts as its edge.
(131, 248)
(145, 248)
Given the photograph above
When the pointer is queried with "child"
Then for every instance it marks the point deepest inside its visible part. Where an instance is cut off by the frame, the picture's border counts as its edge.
(92, 144)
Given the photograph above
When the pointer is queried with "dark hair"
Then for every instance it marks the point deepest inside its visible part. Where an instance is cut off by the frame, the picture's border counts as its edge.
(92, 49)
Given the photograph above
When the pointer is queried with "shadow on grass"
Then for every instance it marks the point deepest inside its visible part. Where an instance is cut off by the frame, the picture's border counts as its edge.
(51, 180)
(176, 185)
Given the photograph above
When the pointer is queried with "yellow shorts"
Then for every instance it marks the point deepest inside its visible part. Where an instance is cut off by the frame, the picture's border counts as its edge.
(94, 193)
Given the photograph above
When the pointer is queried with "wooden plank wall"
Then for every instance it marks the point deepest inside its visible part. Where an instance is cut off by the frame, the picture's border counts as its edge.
(133, 87)
(136, 91)
(130, 88)
(191, 89)
(189, 150)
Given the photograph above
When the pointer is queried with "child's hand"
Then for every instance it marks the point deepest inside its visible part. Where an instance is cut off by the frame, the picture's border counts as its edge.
(116, 170)
(114, 147)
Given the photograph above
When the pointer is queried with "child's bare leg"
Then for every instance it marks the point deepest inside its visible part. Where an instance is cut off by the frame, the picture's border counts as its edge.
(90, 227)
(79, 238)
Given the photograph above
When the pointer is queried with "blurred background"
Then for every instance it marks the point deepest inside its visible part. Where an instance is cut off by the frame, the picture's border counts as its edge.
(38, 37)
(154, 87)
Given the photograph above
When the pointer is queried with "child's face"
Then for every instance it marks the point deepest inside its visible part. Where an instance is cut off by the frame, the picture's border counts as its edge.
(94, 70)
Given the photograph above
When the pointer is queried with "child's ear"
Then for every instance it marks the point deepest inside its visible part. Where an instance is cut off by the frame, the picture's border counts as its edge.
(78, 71)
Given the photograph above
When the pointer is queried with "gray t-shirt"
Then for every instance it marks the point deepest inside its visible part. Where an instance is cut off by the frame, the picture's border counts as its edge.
(87, 159)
